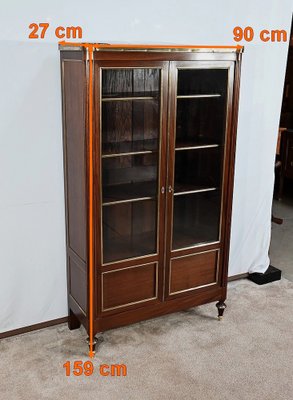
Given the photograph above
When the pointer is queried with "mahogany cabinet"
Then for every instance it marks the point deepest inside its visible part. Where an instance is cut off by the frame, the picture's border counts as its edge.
(163, 129)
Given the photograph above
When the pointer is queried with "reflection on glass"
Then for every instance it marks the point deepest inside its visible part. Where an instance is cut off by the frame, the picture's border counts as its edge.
(196, 218)
(199, 147)
(129, 177)
(129, 230)
(201, 105)
(202, 81)
(197, 169)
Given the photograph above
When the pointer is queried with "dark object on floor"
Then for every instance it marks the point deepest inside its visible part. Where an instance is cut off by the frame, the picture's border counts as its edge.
(272, 274)
(276, 220)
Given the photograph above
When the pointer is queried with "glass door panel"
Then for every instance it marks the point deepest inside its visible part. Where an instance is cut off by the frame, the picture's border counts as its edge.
(130, 161)
(201, 104)
(199, 147)
(196, 218)
(197, 169)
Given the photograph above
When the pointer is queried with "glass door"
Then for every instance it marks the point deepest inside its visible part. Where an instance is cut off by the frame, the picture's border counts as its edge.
(197, 147)
(131, 126)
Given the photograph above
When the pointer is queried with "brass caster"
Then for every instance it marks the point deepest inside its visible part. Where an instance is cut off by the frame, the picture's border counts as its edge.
(221, 308)
(96, 340)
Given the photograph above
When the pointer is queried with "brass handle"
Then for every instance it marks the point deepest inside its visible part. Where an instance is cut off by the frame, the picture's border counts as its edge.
(170, 189)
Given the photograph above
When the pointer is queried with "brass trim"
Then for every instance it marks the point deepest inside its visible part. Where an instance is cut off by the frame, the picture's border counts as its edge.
(142, 49)
(62, 47)
(201, 244)
(132, 153)
(169, 50)
(195, 287)
(197, 96)
(202, 65)
(207, 146)
(71, 60)
(195, 191)
(105, 99)
(228, 116)
(130, 259)
(133, 302)
(110, 203)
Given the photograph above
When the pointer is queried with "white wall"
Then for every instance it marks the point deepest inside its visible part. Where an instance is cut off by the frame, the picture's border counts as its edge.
(32, 232)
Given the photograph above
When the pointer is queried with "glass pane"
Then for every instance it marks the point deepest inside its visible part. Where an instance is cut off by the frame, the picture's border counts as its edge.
(199, 148)
(131, 110)
(129, 230)
(196, 218)
(130, 156)
(197, 169)
(128, 82)
(201, 105)
(129, 177)
(202, 81)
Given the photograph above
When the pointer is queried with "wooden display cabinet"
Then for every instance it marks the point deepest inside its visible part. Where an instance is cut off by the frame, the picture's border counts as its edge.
(164, 132)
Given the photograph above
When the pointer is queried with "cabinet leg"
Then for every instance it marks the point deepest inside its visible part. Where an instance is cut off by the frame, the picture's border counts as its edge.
(96, 340)
(221, 308)
(73, 321)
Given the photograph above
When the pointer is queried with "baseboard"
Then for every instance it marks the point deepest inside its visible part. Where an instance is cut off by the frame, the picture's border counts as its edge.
(57, 321)
(34, 327)
(236, 277)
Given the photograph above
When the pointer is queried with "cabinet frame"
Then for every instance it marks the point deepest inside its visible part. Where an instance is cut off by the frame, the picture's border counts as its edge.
(164, 303)
(219, 244)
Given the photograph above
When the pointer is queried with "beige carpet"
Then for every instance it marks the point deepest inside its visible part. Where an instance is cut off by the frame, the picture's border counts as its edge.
(187, 355)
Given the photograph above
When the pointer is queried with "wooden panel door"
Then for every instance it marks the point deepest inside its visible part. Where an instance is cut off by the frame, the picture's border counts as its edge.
(132, 99)
(200, 100)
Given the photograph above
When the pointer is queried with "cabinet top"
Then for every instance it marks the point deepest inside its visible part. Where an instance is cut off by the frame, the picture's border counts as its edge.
(73, 46)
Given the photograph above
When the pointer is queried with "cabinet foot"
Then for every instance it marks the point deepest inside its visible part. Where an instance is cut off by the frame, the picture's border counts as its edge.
(96, 340)
(73, 321)
(221, 308)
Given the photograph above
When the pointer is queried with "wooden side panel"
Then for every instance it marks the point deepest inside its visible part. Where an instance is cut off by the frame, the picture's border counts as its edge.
(128, 286)
(75, 146)
(190, 272)
(77, 282)
(75, 171)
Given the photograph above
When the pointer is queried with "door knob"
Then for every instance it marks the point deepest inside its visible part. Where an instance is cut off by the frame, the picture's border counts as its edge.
(170, 189)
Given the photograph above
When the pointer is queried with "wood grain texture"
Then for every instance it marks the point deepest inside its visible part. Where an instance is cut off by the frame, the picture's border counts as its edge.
(75, 161)
(130, 285)
(74, 106)
(189, 272)
(78, 282)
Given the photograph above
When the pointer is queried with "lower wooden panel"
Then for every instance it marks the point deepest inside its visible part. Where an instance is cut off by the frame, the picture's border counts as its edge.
(128, 286)
(193, 271)
(150, 310)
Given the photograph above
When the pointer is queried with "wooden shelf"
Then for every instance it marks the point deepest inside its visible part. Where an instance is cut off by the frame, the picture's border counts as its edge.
(198, 96)
(196, 147)
(118, 149)
(195, 144)
(184, 189)
(129, 192)
(130, 96)
(183, 238)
